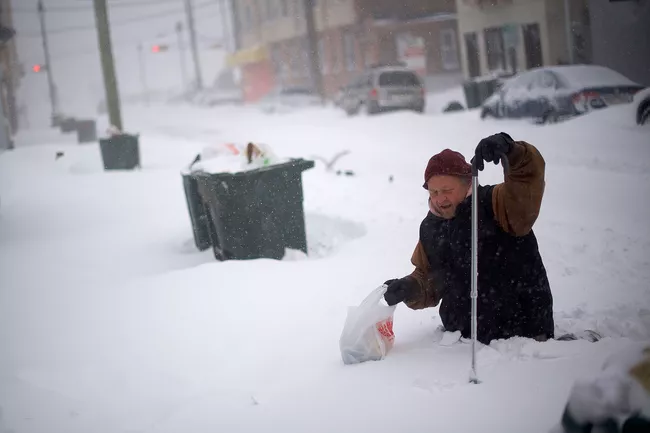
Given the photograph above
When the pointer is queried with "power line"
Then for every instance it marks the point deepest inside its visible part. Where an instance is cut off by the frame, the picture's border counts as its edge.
(136, 19)
(123, 43)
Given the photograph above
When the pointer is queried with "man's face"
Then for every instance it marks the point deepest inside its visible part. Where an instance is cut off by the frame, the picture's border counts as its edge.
(446, 193)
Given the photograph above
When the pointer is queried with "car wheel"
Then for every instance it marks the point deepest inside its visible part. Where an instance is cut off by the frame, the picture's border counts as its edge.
(370, 108)
(486, 112)
(419, 109)
(549, 118)
(643, 117)
(351, 111)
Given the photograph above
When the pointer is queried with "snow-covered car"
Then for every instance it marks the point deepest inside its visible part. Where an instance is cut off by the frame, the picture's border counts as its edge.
(289, 99)
(550, 94)
(642, 102)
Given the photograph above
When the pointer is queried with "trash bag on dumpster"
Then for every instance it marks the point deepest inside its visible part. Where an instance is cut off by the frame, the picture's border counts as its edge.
(259, 155)
(368, 331)
(236, 158)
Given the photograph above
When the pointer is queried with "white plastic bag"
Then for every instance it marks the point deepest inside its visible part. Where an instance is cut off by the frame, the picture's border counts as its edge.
(368, 331)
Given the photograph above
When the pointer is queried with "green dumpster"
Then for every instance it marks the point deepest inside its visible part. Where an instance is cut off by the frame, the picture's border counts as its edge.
(199, 216)
(470, 88)
(486, 88)
(257, 213)
(120, 152)
(67, 124)
(86, 131)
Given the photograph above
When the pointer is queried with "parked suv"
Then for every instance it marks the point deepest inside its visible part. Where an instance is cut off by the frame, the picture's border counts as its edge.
(382, 89)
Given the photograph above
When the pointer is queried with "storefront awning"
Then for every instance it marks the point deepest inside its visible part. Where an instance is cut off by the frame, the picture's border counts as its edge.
(247, 56)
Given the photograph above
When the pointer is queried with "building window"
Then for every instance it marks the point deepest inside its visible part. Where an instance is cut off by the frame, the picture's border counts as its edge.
(298, 7)
(349, 51)
(279, 67)
(295, 59)
(494, 49)
(449, 50)
(334, 51)
(304, 50)
(261, 9)
(324, 64)
(299, 58)
(247, 18)
(272, 9)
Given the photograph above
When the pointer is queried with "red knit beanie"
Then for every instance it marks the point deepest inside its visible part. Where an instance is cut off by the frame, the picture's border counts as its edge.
(447, 163)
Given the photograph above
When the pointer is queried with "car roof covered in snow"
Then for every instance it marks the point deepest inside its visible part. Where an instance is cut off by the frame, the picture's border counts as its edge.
(587, 76)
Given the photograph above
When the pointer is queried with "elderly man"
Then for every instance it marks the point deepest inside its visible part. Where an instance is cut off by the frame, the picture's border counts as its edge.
(514, 296)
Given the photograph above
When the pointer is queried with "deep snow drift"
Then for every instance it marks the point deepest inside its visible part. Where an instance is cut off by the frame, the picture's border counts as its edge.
(111, 321)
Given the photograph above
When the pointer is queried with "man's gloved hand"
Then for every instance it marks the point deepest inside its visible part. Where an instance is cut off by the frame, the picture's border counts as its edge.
(491, 149)
(400, 290)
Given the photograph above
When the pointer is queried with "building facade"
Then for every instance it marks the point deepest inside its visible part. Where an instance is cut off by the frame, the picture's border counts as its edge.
(628, 52)
(272, 45)
(514, 35)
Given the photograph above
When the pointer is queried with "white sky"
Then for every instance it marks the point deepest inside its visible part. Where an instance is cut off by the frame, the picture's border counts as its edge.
(75, 57)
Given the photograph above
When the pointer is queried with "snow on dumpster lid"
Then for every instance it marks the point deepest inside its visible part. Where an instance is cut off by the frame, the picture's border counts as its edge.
(587, 76)
(238, 159)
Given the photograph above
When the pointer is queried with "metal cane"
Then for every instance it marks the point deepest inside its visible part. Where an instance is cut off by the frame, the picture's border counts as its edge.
(473, 376)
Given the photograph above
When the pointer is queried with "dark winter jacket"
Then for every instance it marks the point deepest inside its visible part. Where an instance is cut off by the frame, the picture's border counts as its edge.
(514, 296)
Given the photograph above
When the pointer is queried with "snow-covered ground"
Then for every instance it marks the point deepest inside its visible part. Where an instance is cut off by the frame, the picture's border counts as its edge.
(111, 321)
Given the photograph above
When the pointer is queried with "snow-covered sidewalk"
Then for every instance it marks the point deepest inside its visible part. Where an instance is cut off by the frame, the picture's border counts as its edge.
(110, 320)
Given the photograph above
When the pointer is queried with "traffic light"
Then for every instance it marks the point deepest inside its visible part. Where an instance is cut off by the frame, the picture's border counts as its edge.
(39, 68)
(159, 48)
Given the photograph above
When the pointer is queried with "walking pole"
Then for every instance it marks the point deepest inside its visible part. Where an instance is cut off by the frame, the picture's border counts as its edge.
(473, 376)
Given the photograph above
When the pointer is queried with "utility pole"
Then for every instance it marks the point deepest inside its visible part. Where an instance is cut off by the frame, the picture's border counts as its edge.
(48, 64)
(143, 74)
(108, 67)
(195, 53)
(225, 26)
(569, 33)
(181, 49)
(312, 39)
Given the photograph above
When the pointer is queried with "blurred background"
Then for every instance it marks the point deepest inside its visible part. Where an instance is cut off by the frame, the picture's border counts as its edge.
(244, 49)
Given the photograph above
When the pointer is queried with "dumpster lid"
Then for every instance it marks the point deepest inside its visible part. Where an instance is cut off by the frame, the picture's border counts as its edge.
(298, 163)
(230, 158)
(229, 164)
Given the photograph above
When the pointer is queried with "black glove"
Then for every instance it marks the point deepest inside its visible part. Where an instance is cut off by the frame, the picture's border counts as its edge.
(400, 290)
(491, 149)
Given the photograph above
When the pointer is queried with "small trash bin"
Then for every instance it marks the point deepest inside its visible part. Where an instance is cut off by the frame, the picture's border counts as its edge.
(198, 213)
(470, 88)
(86, 131)
(120, 152)
(257, 213)
(55, 120)
(68, 124)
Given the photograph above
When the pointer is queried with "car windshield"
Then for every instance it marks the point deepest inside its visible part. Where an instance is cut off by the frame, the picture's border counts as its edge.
(399, 78)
